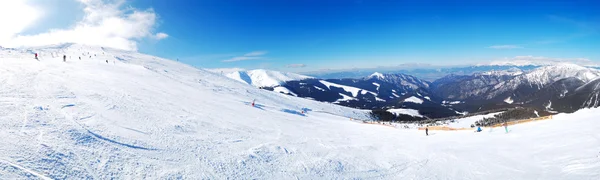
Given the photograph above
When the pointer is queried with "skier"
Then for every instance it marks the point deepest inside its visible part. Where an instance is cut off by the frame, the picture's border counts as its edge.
(505, 126)
(427, 131)
(106, 61)
(79, 57)
(253, 102)
(36, 57)
(479, 129)
(64, 58)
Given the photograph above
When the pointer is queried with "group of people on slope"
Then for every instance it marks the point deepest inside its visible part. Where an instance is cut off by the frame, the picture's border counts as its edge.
(505, 124)
(64, 57)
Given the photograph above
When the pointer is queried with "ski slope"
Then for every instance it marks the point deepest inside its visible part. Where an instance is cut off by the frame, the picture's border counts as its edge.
(143, 117)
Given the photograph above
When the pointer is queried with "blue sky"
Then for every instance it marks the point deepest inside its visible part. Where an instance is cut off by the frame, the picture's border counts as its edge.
(319, 34)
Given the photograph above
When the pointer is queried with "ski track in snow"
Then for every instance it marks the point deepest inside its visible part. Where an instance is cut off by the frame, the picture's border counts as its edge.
(144, 117)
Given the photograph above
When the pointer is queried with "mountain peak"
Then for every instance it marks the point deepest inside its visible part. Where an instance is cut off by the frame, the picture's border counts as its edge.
(377, 75)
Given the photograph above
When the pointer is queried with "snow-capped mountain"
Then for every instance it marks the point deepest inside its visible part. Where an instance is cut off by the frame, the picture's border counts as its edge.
(527, 83)
(466, 87)
(377, 91)
(265, 78)
(497, 89)
(144, 117)
(401, 80)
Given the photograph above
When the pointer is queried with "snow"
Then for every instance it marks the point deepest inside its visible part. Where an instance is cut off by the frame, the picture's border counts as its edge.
(265, 78)
(508, 100)
(427, 97)
(466, 122)
(395, 95)
(281, 89)
(345, 98)
(321, 89)
(410, 112)
(451, 102)
(377, 75)
(379, 99)
(350, 89)
(376, 84)
(414, 99)
(143, 117)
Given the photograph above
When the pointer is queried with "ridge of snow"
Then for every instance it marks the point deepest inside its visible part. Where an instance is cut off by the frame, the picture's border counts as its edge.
(410, 112)
(376, 84)
(414, 99)
(509, 72)
(350, 89)
(508, 100)
(377, 75)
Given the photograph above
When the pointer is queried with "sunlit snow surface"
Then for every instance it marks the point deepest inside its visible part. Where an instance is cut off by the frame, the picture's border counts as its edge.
(141, 117)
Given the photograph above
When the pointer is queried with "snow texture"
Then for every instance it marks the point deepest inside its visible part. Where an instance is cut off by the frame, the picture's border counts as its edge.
(143, 117)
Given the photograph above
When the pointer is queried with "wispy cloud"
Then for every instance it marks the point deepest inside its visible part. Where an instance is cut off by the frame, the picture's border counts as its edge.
(296, 65)
(505, 47)
(160, 36)
(255, 55)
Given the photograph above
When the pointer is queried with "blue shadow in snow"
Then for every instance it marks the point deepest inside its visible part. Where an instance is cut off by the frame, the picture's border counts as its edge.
(119, 143)
(68, 105)
(293, 112)
(256, 105)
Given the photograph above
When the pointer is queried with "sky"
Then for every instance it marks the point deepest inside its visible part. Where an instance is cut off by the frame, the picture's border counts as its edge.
(309, 35)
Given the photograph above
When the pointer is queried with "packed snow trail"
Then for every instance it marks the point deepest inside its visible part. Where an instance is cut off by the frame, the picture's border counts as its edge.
(143, 117)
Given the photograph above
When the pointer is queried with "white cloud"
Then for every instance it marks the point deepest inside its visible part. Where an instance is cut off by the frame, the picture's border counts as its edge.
(505, 47)
(541, 61)
(255, 55)
(241, 58)
(16, 16)
(296, 65)
(105, 23)
(160, 36)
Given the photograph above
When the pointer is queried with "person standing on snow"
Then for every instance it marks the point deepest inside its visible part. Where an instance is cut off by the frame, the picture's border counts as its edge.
(505, 126)
(427, 131)
(36, 57)
(64, 58)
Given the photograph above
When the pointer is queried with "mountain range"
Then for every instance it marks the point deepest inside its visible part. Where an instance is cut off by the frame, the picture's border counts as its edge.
(572, 85)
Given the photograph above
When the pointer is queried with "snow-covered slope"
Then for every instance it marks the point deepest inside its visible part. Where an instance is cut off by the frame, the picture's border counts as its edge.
(143, 117)
(265, 78)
